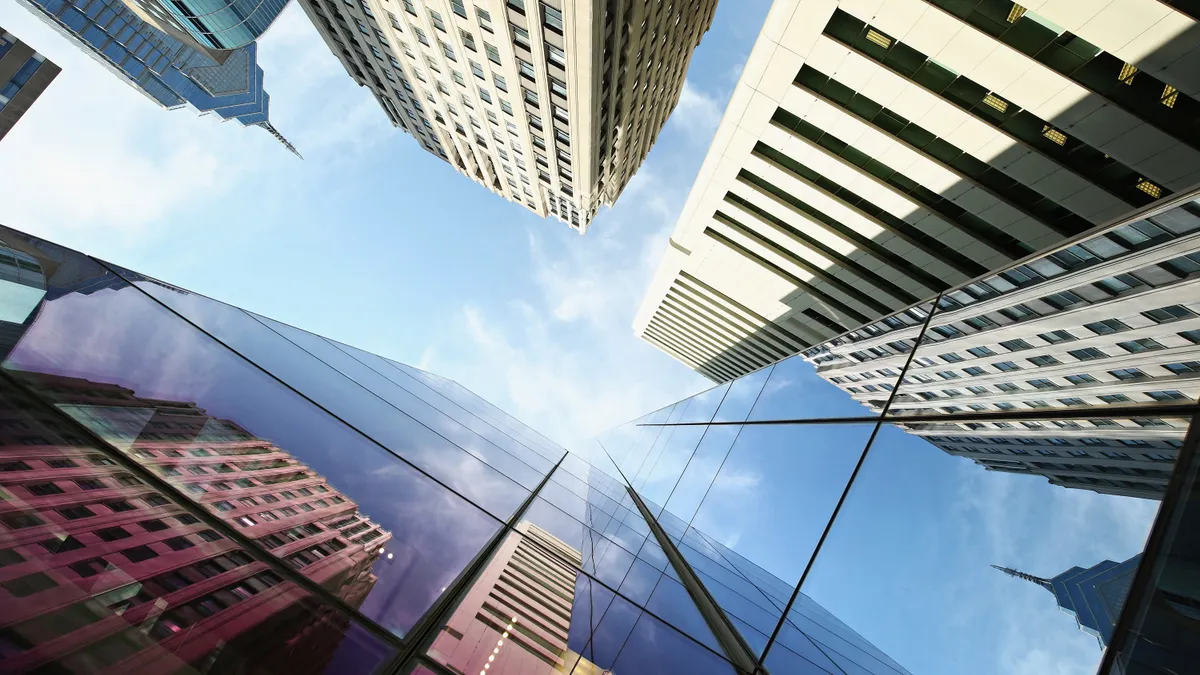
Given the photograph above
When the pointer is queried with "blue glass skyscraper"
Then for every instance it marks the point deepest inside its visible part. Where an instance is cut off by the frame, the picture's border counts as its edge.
(1093, 595)
(166, 69)
(215, 24)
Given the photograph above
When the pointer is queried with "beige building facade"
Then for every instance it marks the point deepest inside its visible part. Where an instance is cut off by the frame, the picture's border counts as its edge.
(552, 104)
(876, 153)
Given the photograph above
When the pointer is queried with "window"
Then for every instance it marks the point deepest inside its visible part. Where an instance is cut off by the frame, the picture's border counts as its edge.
(950, 358)
(29, 584)
(56, 545)
(1185, 367)
(44, 489)
(1143, 345)
(187, 519)
(552, 18)
(1016, 345)
(113, 533)
(76, 512)
(178, 543)
(556, 56)
(1043, 383)
(1082, 378)
(467, 38)
(530, 97)
(447, 50)
(500, 83)
(520, 35)
(1127, 373)
(1006, 366)
(1055, 337)
(493, 54)
(1044, 360)
(1007, 386)
(526, 69)
(1071, 401)
(1169, 314)
(948, 375)
(981, 352)
(1167, 395)
(1106, 327)
(1114, 398)
(209, 535)
(90, 484)
(436, 18)
(139, 553)
(974, 371)
(1087, 354)
(153, 525)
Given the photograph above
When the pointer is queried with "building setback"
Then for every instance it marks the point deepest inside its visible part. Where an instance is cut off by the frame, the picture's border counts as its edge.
(168, 69)
(1094, 596)
(24, 75)
(552, 104)
(878, 152)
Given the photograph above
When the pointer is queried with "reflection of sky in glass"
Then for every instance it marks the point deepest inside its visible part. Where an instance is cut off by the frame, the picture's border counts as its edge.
(122, 337)
(907, 565)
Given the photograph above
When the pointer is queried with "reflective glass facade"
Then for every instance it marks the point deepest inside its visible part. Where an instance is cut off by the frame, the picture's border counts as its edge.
(168, 70)
(219, 24)
(188, 486)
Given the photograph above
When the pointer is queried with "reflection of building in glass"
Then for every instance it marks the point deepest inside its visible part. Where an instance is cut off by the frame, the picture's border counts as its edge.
(24, 75)
(168, 70)
(1094, 596)
(583, 87)
(517, 615)
(1112, 319)
(103, 571)
(876, 154)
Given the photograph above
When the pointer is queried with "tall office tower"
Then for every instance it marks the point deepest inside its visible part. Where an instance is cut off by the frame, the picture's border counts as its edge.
(157, 430)
(876, 153)
(169, 71)
(552, 104)
(25, 74)
(1094, 596)
(1107, 319)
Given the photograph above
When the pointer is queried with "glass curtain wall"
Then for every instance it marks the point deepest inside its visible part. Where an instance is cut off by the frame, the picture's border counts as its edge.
(190, 487)
(964, 486)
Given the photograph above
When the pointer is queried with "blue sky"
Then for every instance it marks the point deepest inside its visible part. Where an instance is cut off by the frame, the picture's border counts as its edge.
(370, 240)
(373, 242)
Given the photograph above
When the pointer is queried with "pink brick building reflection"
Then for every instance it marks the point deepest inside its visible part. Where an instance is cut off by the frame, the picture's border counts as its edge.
(99, 572)
(516, 617)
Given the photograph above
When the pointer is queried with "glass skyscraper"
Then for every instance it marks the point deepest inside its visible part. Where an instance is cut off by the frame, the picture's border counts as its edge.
(169, 70)
(190, 487)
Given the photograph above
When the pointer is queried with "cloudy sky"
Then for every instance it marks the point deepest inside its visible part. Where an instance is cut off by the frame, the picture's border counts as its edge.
(370, 240)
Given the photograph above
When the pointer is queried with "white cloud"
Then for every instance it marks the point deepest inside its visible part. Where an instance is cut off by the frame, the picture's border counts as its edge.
(566, 359)
(698, 112)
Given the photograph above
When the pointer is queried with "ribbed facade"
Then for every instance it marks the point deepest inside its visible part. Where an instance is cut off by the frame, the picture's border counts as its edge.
(552, 104)
(877, 153)
(24, 75)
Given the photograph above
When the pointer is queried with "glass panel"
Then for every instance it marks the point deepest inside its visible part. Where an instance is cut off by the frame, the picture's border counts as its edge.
(533, 610)
(768, 472)
(1046, 519)
(402, 422)
(102, 572)
(795, 390)
(242, 445)
(743, 394)
(704, 405)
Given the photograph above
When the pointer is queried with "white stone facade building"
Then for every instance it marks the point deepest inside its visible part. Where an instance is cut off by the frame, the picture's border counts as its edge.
(552, 104)
(878, 152)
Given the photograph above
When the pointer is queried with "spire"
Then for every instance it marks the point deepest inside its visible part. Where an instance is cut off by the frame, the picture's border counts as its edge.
(1044, 583)
(279, 137)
